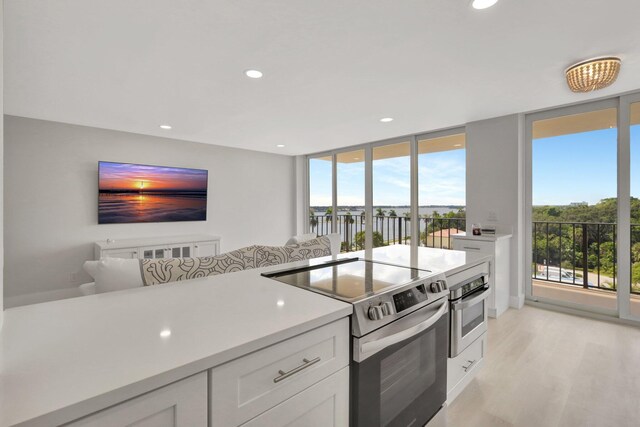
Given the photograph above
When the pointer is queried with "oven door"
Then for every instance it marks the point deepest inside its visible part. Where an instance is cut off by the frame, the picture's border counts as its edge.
(468, 320)
(399, 373)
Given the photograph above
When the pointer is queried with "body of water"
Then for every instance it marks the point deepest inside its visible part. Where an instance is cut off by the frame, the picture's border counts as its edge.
(116, 208)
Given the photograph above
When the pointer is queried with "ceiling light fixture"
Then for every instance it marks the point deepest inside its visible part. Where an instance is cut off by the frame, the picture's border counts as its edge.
(593, 74)
(165, 333)
(165, 127)
(483, 4)
(254, 74)
(280, 145)
(386, 119)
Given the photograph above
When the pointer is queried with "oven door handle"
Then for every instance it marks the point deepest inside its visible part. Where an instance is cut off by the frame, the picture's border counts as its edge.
(466, 303)
(377, 345)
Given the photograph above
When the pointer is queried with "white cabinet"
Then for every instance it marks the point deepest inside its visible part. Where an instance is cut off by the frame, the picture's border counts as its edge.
(211, 248)
(247, 387)
(462, 368)
(159, 247)
(181, 404)
(325, 404)
(498, 246)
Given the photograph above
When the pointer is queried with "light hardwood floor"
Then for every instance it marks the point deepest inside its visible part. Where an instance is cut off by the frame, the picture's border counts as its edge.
(545, 368)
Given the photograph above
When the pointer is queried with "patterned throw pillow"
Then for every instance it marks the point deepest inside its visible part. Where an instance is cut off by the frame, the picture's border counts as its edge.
(156, 271)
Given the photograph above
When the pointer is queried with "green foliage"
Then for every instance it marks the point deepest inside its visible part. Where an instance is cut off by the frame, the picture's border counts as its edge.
(561, 234)
(377, 239)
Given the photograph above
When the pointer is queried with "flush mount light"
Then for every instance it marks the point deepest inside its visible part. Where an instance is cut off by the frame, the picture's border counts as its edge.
(483, 4)
(254, 74)
(386, 119)
(593, 74)
(280, 145)
(165, 127)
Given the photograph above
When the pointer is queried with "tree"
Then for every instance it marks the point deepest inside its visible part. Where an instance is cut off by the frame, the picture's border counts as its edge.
(393, 214)
(313, 221)
(348, 218)
(378, 240)
(380, 212)
(329, 212)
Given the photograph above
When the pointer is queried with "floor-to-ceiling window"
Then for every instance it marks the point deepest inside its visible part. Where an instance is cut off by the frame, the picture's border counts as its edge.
(391, 194)
(320, 195)
(441, 187)
(408, 190)
(574, 209)
(350, 204)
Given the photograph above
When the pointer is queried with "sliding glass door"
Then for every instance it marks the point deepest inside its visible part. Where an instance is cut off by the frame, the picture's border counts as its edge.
(583, 213)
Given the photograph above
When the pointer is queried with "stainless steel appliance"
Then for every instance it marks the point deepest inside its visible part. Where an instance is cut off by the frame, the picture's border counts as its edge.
(400, 337)
(468, 312)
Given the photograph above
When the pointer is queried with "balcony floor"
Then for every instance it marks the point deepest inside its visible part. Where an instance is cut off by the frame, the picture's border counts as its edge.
(545, 368)
(577, 295)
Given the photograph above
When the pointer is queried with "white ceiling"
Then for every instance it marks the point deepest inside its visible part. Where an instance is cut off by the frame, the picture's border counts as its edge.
(332, 68)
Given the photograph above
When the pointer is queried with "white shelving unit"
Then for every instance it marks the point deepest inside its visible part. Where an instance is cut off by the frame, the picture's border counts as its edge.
(159, 247)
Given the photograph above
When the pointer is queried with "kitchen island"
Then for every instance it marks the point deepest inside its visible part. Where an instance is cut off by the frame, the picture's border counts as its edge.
(95, 359)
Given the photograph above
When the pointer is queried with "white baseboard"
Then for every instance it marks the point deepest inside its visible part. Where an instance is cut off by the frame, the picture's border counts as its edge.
(517, 301)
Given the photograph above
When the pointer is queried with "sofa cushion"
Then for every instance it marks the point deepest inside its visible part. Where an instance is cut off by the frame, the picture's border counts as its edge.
(114, 274)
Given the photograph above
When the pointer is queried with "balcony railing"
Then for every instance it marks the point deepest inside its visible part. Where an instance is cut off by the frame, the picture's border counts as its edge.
(578, 254)
(389, 230)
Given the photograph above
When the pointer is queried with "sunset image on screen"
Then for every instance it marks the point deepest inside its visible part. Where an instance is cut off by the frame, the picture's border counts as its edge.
(142, 193)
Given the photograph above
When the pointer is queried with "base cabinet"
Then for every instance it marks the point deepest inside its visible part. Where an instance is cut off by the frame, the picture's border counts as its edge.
(498, 247)
(325, 404)
(181, 404)
(462, 368)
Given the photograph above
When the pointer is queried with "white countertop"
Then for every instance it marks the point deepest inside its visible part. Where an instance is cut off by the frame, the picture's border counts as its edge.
(72, 357)
(437, 260)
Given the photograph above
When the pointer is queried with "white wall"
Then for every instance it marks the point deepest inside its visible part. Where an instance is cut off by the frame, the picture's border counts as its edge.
(495, 186)
(51, 191)
(1, 161)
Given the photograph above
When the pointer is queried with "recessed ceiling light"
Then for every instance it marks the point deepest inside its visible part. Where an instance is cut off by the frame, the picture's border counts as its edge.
(280, 145)
(165, 333)
(483, 4)
(254, 74)
(457, 145)
(280, 303)
(165, 127)
(386, 119)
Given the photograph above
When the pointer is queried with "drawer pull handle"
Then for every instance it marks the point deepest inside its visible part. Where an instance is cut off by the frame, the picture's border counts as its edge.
(284, 375)
(471, 363)
(472, 248)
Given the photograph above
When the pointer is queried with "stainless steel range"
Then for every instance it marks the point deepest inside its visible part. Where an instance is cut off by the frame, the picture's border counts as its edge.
(400, 337)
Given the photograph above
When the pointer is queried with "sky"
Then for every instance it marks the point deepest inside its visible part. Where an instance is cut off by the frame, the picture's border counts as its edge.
(569, 168)
(441, 181)
(117, 176)
(581, 167)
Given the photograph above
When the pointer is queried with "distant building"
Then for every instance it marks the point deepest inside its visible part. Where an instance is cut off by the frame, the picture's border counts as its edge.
(578, 204)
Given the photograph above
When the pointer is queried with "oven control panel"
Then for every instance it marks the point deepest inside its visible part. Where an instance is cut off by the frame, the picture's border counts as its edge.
(409, 298)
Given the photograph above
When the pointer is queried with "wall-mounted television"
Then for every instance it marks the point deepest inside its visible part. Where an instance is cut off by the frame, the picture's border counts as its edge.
(144, 193)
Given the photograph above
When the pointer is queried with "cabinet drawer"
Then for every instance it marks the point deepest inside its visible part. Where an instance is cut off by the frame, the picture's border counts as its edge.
(181, 404)
(325, 404)
(252, 384)
(465, 364)
(473, 246)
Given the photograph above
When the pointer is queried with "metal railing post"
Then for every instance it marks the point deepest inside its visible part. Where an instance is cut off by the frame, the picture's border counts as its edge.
(585, 257)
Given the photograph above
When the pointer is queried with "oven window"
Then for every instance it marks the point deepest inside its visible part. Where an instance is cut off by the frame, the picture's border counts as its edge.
(405, 374)
(472, 317)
